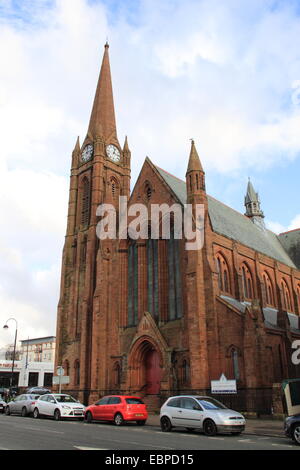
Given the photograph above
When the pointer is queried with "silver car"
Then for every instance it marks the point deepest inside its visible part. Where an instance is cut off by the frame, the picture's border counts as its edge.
(199, 412)
(22, 405)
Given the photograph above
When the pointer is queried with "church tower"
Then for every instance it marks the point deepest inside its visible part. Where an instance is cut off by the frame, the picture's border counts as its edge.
(100, 173)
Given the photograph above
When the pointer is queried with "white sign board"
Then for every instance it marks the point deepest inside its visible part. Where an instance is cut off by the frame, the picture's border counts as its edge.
(223, 385)
(63, 380)
(60, 370)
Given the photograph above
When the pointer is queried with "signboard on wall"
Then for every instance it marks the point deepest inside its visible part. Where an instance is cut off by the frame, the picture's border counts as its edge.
(223, 385)
(63, 380)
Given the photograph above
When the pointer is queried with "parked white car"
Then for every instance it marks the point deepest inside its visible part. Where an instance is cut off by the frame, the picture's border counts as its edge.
(58, 406)
(197, 412)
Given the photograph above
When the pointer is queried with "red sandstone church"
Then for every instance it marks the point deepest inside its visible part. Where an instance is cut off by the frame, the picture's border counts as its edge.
(148, 317)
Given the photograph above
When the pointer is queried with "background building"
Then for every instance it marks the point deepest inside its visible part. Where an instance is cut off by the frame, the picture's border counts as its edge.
(35, 365)
(38, 349)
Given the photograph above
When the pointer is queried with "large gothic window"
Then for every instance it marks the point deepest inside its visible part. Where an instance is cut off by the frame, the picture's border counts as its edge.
(152, 277)
(269, 289)
(174, 277)
(247, 282)
(85, 202)
(132, 301)
(223, 274)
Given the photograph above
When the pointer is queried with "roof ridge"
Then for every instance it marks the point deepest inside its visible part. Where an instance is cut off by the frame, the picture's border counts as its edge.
(289, 231)
(173, 176)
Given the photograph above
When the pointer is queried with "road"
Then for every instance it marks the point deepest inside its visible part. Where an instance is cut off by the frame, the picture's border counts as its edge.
(17, 433)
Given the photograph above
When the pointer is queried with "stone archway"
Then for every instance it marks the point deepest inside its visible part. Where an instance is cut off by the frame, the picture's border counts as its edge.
(145, 365)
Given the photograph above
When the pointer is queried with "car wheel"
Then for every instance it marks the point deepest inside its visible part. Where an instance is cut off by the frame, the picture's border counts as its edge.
(209, 428)
(118, 419)
(36, 413)
(165, 424)
(24, 412)
(296, 434)
(89, 417)
(141, 423)
(57, 415)
(7, 410)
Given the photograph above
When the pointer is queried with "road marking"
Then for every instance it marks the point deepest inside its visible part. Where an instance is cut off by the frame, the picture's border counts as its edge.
(282, 445)
(217, 438)
(89, 448)
(244, 440)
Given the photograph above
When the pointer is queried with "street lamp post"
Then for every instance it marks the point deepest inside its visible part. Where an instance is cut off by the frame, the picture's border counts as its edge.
(14, 354)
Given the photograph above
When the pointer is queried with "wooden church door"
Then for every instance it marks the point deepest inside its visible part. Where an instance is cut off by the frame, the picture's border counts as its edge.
(153, 372)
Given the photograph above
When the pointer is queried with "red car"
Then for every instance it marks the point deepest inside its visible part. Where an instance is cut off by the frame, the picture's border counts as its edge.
(117, 408)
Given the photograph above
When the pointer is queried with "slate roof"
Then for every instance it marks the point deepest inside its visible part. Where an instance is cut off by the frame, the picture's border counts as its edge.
(234, 225)
(270, 314)
(291, 243)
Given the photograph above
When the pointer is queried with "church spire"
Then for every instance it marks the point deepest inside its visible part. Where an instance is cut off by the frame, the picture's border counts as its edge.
(102, 121)
(252, 203)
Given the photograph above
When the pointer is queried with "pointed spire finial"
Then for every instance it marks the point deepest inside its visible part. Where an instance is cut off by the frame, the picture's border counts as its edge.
(194, 160)
(77, 146)
(126, 147)
(102, 121)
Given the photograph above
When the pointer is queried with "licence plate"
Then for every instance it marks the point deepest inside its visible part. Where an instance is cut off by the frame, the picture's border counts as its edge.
(139, 414)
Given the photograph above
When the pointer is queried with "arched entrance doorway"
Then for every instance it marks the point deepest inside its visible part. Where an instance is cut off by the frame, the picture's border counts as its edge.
(146, 367)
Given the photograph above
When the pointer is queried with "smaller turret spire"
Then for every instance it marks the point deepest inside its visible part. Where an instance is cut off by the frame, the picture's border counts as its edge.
(194, 160)
(195, 176)
(126, 147)
(77, 146)
(252, 203)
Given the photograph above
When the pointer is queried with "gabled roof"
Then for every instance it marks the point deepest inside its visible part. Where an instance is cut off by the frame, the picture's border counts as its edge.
(233, 224)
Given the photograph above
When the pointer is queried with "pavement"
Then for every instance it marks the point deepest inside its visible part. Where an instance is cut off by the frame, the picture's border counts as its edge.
(260, 427)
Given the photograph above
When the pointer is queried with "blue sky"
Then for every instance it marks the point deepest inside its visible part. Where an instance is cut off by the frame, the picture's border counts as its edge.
(224, 73)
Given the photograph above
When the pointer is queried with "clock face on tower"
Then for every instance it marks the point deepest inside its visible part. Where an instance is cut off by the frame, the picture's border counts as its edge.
(87, 153)
(113, 153)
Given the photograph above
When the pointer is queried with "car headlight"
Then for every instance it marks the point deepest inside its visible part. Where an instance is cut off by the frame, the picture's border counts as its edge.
(65, 407)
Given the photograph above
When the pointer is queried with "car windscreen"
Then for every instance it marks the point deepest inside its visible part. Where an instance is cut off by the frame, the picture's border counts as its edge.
(134, 401)
(64, 399)
(211, 404)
